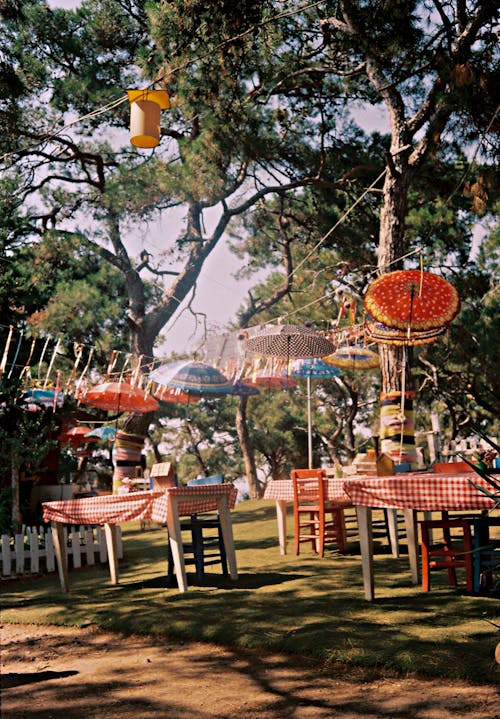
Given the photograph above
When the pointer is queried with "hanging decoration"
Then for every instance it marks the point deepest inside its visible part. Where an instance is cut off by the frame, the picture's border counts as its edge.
(353, 357)
(412, 300)
(289, 342)
(119, 397)
(145, 106)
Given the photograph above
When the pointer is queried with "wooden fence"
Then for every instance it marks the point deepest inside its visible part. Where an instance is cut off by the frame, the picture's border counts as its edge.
(32, 550)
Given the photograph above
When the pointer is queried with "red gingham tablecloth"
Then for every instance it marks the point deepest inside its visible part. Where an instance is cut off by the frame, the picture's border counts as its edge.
(117, 508)
(419, 491)
(283, 489)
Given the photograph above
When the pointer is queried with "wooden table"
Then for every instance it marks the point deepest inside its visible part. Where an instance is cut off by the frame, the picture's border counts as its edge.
(411, 492)
(281, 490)
(161, 506)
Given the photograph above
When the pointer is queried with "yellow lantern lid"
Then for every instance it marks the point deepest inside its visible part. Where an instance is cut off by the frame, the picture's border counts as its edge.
(160, 97)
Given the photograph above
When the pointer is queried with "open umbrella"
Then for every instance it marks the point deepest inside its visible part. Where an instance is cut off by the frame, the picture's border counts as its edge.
(37, 399)
(311, 368)
(192, 377)
(76, 436)
(119, 397)
(105, 432)
(270, 379)
(412, 300)
(289, 342)
(353, 357)
(175, 396)
(382, 334)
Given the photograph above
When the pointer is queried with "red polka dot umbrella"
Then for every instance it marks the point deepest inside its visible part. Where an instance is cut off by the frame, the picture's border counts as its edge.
(412, 299)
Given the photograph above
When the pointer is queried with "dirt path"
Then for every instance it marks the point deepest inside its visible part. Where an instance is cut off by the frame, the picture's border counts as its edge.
(64, 673)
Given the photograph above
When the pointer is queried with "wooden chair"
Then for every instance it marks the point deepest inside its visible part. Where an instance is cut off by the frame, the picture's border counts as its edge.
(449, 554)
(310, 510)
(206, 544)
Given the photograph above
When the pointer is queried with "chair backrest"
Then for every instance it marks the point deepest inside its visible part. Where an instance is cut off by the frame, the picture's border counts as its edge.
(308, 486)
(451, 468)
(163, 474)
(213, 479)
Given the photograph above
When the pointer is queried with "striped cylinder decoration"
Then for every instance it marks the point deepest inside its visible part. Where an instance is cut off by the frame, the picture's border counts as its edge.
(126, 457)
(397, 427)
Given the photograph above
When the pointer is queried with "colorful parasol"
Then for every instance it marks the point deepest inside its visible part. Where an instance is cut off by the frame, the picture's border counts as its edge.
(353, 357)
(37, 399)
(412, 299)
(380, 333)
(267, 379)
(289, 342)
(119, 397)
(311, 368)
(175, 396)
(192, 377)
(105, 432)
(76, 436)
(242, 389)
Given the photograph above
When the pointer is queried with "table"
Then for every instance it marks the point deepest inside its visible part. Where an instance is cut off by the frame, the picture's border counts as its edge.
(164, 506)
(281, 490)
(412, 492)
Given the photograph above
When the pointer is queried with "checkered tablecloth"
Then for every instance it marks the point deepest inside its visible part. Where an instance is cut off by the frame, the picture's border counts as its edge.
(194, 500)
(425, 492)
(283, 489)
(117, 508)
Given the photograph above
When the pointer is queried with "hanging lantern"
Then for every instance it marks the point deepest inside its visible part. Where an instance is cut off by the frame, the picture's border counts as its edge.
(145, 106)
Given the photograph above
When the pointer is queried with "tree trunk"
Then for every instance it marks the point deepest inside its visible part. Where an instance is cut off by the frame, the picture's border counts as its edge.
(246, 448)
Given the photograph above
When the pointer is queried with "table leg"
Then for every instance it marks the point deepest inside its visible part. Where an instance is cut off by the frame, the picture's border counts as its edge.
(111, 546)
(227, 533)
(61, 554)
(411, 526)
(281, 519)
(175, 539)
(392, 524)
(364, 515)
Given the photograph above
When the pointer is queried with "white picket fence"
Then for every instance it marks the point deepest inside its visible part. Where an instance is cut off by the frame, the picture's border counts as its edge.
(32, 550)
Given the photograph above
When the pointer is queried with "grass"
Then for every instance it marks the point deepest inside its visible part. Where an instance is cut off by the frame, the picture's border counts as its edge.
(301, 605)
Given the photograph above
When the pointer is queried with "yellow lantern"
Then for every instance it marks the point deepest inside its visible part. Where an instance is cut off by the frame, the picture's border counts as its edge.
(145, 106)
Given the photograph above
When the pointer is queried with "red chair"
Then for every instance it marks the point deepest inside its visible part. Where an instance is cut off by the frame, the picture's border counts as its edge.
(310, 510)
(449, 554)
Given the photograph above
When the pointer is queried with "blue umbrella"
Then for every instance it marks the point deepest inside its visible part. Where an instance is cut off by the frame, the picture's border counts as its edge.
(105, 432)
(192, 377)
(311, 368)
(42, 398)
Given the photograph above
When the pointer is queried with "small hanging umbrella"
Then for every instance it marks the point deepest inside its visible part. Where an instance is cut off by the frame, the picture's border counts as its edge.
(382, 334)
(289, 342)
(412, 299)
(175, 396)
(242, 389)
(192, 377)
(269, 379)
(119, 397)
(353, 357)
(36, 399)
(105, 432)
(76, 436)
(312, 368)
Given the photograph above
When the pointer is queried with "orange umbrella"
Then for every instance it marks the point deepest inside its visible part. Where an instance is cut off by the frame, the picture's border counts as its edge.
(412, 299)
(76, 436)
(268, 380)
(167, 394)
(119, 397)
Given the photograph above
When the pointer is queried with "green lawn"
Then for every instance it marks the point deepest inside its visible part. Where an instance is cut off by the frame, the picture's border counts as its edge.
(302, 605)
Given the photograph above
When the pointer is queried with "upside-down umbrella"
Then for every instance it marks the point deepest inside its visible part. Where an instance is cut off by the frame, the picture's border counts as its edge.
(193, 378)
(412, 300)
(312, 368)
(353, 357)
(119, 397)
(382, 334)
(289, 342)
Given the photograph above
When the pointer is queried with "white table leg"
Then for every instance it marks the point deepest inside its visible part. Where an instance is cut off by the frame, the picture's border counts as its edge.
(111, 545)
(61, 554)
(281, 519)
(411, 526)
(227, 534)
(392, 523)
(175, 539)
(364, 515)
